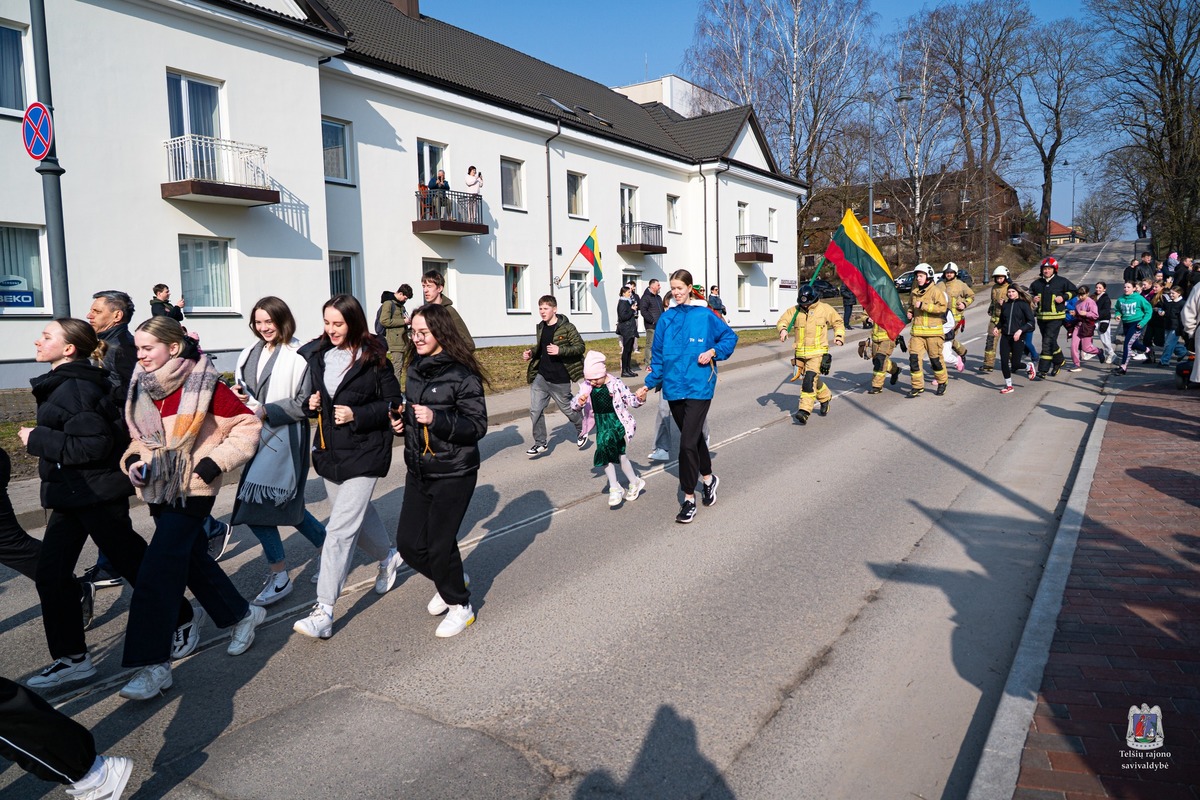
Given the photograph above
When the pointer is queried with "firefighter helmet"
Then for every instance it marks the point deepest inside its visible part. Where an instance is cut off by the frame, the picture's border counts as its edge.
(1000, 271)
(923, 267)
(950, 267)
(806, 296)
(1049, 261)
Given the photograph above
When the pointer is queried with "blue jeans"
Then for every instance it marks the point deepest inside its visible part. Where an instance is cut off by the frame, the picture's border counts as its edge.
(272, 542)
(1172, 347)
(1029, 348)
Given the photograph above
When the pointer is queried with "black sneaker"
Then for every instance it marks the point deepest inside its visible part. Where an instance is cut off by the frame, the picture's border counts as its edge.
(941, 390)
(1054, 368)
(581, 442)
(801, 417)
(875, 390)
(536, 450)
(824, 409)
(915, 393)
(87, 602)
(984, 369)
(708, 491)
(101, 577)
(687, 512)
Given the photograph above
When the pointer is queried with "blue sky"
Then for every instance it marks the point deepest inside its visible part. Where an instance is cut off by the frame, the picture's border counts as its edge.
(624, 42)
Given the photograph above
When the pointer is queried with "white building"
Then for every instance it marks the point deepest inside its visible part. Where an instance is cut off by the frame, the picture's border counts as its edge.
(233, 150)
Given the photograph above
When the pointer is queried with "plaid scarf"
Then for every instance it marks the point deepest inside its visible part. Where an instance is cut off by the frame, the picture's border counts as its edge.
(170, 462)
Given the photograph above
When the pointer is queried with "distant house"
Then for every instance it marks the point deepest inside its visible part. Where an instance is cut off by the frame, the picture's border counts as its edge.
(1061, 234)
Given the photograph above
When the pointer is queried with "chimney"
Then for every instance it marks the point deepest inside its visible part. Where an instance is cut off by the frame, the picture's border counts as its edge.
(409, 8)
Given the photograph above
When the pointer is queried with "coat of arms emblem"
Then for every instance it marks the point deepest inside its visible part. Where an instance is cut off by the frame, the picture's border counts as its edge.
(1145, 730)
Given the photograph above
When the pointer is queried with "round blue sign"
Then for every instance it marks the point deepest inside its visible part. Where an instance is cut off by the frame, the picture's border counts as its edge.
(37, 130)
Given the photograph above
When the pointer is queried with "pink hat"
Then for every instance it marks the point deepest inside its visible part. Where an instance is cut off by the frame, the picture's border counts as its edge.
(594, 365)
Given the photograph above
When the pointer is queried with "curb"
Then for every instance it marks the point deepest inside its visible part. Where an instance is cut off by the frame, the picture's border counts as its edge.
(1000, 762)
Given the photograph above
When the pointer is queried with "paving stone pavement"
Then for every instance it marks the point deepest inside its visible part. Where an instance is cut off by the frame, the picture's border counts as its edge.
(1128, 632)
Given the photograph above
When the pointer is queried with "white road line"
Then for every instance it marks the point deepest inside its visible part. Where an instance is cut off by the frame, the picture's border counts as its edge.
(1094, 260)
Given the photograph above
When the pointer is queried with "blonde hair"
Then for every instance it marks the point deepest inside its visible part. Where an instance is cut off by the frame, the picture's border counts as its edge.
(165, 329)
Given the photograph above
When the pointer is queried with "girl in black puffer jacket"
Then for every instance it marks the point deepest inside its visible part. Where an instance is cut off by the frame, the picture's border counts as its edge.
(442, 421)
(1016, 320)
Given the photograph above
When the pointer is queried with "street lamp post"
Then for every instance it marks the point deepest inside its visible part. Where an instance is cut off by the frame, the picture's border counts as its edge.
(873, 98)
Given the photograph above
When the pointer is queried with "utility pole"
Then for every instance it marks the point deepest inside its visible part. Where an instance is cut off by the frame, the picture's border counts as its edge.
(49, 168)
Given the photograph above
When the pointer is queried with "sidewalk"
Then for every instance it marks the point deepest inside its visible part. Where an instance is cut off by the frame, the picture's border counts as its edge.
(1128, 631)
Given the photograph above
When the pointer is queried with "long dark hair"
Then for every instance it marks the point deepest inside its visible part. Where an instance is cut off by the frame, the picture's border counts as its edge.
(442, 326)
(358, 336)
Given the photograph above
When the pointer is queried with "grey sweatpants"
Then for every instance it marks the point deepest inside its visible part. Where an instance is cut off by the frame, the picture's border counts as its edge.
(541, 392)
(351, 513)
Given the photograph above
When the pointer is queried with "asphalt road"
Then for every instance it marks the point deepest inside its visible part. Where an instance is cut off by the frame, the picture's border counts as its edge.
(838, 625)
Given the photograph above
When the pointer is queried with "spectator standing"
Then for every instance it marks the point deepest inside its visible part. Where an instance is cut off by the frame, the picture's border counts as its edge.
(716, 303)
(848, 301)
(1145, 267)
(1104, 321)
(651, 307)
(353, 384)
(1185, 277)
(1130, 274)
(474, 187)
(440, 189)
(433, 289)
(553, 364)
(626, 329)
(393, 318)
(161, 305)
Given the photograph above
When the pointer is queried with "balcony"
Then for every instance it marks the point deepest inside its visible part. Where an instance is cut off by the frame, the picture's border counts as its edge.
(641, 237)
(208, 170)
(449, 213)
(752, 250)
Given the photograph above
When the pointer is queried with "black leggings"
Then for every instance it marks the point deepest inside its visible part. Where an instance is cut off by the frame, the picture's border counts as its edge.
(1010, 354)
(627, 344)
(427, 533)
(694, 459)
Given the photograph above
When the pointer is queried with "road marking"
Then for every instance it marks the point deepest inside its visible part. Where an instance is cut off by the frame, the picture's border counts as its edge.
(1094, 260)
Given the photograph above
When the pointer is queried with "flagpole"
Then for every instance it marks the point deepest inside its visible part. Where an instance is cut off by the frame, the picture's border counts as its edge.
(558, 280)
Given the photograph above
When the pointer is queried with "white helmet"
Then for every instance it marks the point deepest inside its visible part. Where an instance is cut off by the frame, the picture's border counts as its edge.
(923, 267)
(1001, 270)
(950, 267)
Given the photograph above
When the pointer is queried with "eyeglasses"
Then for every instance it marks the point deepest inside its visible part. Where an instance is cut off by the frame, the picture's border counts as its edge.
(420, 336)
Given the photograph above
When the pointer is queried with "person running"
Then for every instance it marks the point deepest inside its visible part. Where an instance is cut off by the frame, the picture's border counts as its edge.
(689, 341)
(1086, 314)
(188, 429)
(961, 297)
(442, 421)
(1014, 321)
(553, 364)
(353, 385)
(1050, 293)
(606, 403)
(928, 304)
(1133, 311)
(882, 345)
(1104, 321)
(1000, 284)
(274, 382)
(812, 320)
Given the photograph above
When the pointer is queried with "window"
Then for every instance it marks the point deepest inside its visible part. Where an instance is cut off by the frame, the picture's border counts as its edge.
(773, 293)
(743, 213)
(441, 267)
(12, 73)
(575, 186)
(628, 205)
(335, 143)
(514, 287)
(772, 225)
(194, 106)
(512, 193)
(430, 158)
(204, 280)
(21, 286)
(743, 293)
(341, 273)
(672, 213)
(580, 299)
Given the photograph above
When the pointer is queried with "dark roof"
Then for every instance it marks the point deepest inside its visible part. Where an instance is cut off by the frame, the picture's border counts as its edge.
(319, 21)
(438, 53)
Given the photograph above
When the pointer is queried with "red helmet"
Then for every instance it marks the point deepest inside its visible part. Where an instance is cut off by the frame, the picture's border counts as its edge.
(1049, 261)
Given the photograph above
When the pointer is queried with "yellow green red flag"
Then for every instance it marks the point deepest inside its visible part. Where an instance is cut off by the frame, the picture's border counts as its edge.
(861, 267)
(591, 253)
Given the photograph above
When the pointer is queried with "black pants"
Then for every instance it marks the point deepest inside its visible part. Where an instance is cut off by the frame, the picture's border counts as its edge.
(18, 550)
(42, 741)
(694, 459)
(1051, 352)
(427, 533)
(177, 557)
(1010, 354)
(627, 343)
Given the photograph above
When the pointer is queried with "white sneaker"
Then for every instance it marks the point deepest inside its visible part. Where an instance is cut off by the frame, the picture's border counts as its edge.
(187, 635)
(318, 624)
(272, 592)
(437, 606)
(387, 572)
(616, 496)
(456, 621)
(115, 772)
(659, 455)
(150, 682)
(63, 670)
(1086, 356)
(243, 632)
(1138, 357)
(634, 490)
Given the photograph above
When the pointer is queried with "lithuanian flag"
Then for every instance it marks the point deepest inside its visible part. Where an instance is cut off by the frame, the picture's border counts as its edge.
(861, 267)
(591, 254)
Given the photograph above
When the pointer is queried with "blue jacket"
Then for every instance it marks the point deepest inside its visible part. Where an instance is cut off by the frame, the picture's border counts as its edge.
(685, 332)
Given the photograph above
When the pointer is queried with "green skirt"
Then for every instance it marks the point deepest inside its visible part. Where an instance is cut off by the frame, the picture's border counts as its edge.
(610, 433)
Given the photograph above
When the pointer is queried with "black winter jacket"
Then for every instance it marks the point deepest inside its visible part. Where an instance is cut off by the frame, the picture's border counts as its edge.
(455, 395)
(626, 319)
(651, 307)
(1015, 315)
(362, 448)
(80, 436)
(1044, 291)
(1172, 315)
(119, 360)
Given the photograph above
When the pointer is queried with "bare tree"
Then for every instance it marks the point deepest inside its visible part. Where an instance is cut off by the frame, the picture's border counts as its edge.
(1099, 218)
(1128, 172)
(726, 56)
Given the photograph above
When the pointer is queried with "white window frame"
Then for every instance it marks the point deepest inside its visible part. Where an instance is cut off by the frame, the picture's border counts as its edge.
(522, 289)
(230, 276)
(442, 265)
(23, 47)
(511, 203)
(580, 295)
(355, 272)
(773, 293)
(425, 148)
(674, 224)
(222, 116)
(772, 225)
(582, 211)
(347, 151)
(743, 218)
(743, 293)
(44, 267)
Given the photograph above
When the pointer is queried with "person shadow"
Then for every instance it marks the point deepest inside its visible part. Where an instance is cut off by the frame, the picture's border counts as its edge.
(507, 534)
(669, 766)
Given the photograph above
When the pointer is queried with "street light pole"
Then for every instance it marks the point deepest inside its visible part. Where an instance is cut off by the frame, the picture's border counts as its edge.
(871, 169)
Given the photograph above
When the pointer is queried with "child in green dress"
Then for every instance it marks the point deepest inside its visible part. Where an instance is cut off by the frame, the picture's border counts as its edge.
(607, 406)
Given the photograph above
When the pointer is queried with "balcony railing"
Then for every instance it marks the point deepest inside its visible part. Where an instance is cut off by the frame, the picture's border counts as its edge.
(641, 237)
(217, 170)
(449, 213)
(752, 249)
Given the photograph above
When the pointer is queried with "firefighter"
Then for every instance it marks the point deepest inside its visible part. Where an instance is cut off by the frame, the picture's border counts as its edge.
(1000, 284)
(1050, 295)
(882, 345)
(961, 296)
(927, 306)
(812, 320)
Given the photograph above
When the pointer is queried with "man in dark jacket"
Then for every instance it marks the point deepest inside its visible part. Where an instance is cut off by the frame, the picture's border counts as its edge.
(651, 308)
(391, 322)
(161, 305)
(715, 302)
(1050, 293)
(109, 316)
(1145, 269)
(553, 364)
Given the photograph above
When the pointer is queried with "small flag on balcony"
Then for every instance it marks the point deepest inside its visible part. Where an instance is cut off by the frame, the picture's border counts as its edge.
(591, 254)
(861, 267)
